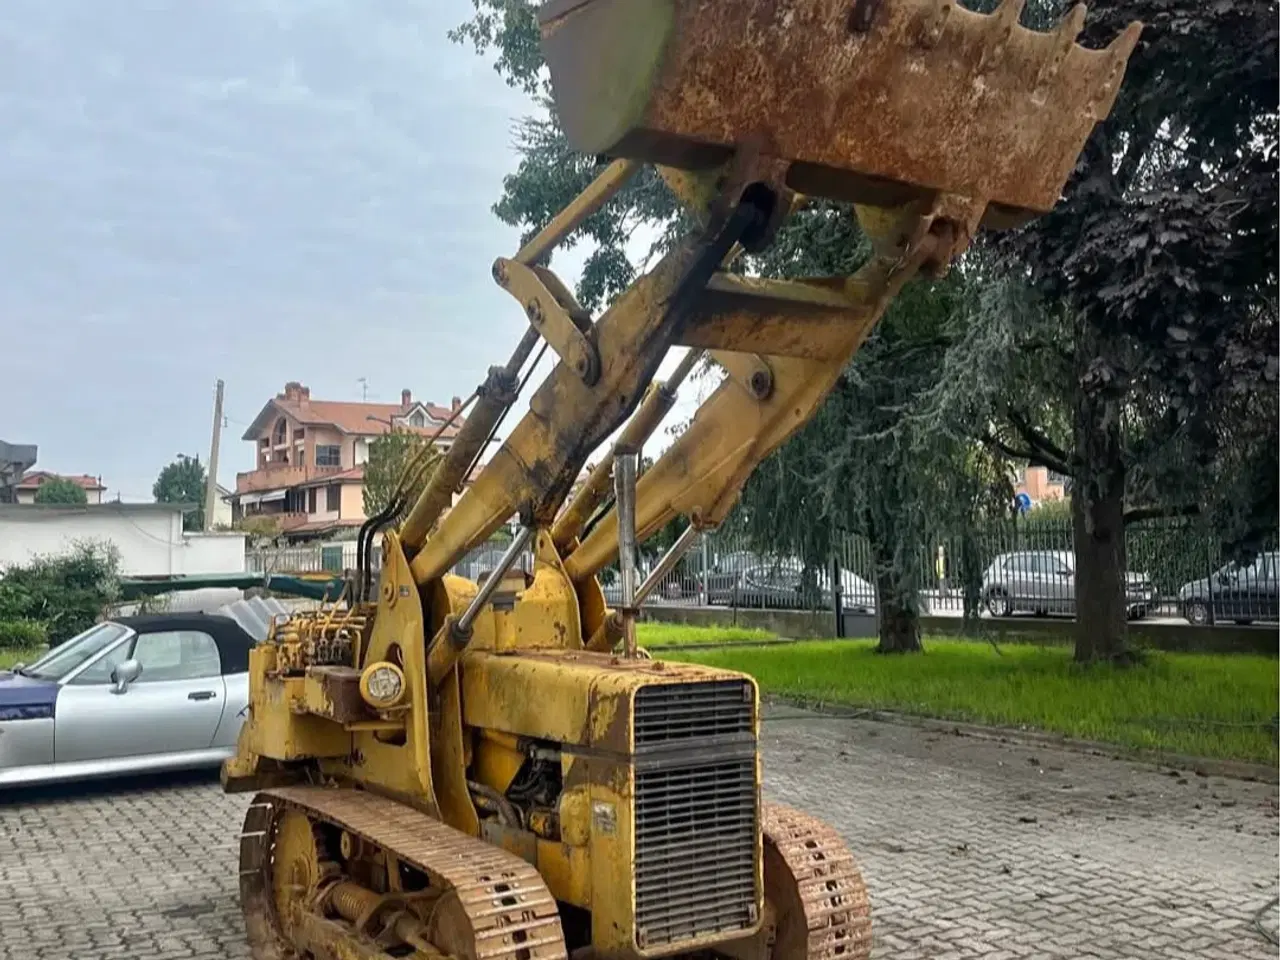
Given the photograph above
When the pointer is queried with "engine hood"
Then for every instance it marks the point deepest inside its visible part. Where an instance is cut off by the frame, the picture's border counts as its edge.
(26, 698)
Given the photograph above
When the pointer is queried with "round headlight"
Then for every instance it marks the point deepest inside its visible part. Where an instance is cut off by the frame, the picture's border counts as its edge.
(382, 685)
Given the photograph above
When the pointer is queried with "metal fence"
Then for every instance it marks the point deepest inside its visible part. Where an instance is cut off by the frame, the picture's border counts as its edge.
(1022, 568)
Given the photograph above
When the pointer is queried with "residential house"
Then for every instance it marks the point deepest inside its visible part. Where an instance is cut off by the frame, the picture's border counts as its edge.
(25, 490)
(311, 455)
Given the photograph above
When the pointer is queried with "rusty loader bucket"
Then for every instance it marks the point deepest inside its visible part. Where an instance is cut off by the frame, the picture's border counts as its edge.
(871, 101)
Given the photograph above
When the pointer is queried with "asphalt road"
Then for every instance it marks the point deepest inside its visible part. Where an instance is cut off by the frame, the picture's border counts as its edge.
(971, 849)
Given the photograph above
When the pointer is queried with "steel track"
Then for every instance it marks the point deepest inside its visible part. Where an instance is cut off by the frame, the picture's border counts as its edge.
(833, 897)
(512, 914)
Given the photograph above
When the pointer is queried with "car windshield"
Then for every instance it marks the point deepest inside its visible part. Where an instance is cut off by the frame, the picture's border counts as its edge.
(57, 663)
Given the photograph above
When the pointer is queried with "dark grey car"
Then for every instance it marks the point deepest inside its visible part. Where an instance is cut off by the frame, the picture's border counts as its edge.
(1242, 592)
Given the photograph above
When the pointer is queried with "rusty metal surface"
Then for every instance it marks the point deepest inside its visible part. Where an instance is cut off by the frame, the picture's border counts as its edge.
(338, 693)
(510, 912)
(873, 102)
(832, 897)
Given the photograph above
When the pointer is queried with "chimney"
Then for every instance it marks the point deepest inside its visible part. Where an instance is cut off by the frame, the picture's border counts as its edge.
(457, 402)
(406, 398)
(293, 390)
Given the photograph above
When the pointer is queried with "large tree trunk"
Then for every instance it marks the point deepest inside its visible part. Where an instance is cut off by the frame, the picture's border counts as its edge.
(897, 607)
(1097, 515)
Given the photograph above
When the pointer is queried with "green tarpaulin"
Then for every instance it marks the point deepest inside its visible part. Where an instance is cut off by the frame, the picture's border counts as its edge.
(318, 586)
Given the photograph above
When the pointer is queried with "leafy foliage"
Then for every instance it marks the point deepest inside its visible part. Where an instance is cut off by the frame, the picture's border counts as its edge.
(399, 460)
(1142, 360)
(183, 481)
(66, 592)
(60, 490)
(261, 528)
(22, 634)
(550, 174)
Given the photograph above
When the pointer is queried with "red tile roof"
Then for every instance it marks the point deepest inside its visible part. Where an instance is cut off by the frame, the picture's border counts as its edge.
(349, 417)
(33, 478)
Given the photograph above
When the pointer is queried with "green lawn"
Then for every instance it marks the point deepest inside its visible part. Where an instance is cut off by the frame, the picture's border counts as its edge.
(662, 635)
(1202, 704)
(9, 657)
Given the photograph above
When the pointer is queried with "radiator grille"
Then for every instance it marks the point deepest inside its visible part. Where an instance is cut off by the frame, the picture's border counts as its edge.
(696, 815)
(683, 711)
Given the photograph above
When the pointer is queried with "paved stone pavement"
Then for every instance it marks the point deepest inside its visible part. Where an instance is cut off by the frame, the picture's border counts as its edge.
(970, 848)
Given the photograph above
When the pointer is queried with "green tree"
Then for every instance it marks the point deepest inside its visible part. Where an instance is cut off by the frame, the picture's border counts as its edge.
(399, 461)
(60, 490)
(882, 459)
(183, 481)
(1129, 340)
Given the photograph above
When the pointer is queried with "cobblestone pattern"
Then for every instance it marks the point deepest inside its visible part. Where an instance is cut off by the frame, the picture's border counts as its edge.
(970, 848)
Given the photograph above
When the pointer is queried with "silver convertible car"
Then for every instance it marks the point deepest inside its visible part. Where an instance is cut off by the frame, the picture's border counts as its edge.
(129, 695)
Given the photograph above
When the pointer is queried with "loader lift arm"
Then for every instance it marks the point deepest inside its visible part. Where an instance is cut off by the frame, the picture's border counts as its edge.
(963, 156)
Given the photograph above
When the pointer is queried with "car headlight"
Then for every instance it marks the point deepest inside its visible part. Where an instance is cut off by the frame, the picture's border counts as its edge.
(382, 685)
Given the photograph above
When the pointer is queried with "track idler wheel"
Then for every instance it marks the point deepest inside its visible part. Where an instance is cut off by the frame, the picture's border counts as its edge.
(816, 905)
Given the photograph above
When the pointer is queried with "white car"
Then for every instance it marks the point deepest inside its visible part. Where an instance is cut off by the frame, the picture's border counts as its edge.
(129, 695)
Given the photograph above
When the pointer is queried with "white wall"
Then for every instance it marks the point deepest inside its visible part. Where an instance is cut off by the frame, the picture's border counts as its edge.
(210, 553)
(149, 538)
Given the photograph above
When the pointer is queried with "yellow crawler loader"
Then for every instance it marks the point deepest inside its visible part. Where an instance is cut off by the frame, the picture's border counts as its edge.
(494, 770)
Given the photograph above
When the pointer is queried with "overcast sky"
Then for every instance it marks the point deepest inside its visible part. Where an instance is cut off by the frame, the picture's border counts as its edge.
(251, 190)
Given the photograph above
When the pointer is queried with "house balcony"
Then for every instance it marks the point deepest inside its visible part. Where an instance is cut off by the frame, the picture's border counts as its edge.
(276, 476)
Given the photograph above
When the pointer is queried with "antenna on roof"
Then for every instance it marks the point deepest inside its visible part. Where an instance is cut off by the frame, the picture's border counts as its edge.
(364, 388)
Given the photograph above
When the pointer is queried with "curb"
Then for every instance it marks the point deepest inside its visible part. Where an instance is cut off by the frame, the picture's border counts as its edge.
(1206, 766)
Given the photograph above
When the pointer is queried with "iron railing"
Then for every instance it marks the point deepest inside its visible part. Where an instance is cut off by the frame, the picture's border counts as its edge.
(1019, 568)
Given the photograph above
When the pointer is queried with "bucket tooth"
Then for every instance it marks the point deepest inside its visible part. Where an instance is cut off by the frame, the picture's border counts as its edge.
(907, 99)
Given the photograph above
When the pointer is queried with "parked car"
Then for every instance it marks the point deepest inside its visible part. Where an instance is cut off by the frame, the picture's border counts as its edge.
(1240, 592)
(131, 694)
(1043, 582)
(778, 586)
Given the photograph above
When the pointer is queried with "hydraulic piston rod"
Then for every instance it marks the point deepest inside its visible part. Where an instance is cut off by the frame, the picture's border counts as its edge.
(455, 635)
(624, 480)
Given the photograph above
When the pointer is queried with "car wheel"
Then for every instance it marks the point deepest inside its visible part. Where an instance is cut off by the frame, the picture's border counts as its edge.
(998, 604)
(1196, 612)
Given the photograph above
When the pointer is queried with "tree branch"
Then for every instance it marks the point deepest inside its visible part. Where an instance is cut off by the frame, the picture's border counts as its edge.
(1034, 457)
(1153, 512)
(1048, 453)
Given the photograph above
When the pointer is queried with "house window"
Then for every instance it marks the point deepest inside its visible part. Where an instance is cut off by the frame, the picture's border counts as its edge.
(333, 497)
(329, 455)
(417, 420)
(281, 432)
(264, 442)
(302, 456)
(299, 434)
(295, 501)
(311, 500)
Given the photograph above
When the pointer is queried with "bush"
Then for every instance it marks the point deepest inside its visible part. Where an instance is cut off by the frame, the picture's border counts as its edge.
(67, 592)
(22, 634)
